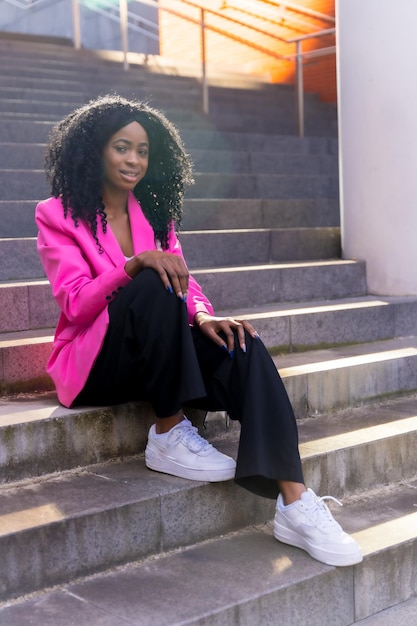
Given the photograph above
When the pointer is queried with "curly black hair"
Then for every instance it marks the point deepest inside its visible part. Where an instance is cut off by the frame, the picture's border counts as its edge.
(74, 164)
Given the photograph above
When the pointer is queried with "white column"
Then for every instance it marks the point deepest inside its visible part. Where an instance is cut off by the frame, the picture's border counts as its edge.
(377, 94)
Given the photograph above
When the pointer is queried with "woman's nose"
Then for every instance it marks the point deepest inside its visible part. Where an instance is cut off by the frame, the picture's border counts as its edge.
(132, 156)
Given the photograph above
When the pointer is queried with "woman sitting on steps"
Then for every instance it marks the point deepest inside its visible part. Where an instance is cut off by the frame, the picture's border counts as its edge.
(134, 325)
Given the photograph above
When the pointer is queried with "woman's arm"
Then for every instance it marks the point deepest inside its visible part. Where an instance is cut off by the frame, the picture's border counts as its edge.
(81, 290)
(197, 301)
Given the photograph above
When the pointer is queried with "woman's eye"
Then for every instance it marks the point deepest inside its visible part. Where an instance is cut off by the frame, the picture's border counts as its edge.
(120, 149)
(143, 153)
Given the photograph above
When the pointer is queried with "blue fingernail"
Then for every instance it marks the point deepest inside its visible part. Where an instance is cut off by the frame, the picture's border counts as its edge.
(170, 289)
(232, 354)
(223, 347)
(244, 349)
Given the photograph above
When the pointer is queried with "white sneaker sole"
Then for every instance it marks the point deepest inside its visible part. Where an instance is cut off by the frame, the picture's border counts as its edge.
(167, 466)
(285, 535)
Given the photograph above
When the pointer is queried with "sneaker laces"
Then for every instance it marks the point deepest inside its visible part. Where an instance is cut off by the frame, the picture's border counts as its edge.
(319, 513)
(189, 435)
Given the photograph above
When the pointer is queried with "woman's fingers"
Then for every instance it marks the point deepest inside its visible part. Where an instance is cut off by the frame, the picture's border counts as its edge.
(171, 269)
(220, 330)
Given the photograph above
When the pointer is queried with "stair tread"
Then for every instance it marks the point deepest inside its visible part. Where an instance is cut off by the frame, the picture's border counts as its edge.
(213, 577)
(343, 356)
(97, 488)
(276, 310)
(32, 407)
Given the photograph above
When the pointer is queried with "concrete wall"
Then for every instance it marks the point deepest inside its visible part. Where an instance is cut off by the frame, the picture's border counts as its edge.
(377, 94)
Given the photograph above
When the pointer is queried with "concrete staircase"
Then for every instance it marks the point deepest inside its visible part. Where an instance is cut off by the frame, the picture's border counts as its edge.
(88, 535)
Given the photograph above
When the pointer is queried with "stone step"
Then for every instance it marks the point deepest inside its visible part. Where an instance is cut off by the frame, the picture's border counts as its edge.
(297, 327)
(120, 512)
(401, 613)
(20, 259)
(323, 381)
(22, 184)
(248, 578)
(61, 63)
(206, 214)
(282, 282)
(225, 213)
(157, 69)
(254, 285)
(24, 84)
(332, 444)
(259, 246)
(284, 328)
(29, 131)
(318, 382)
(31, 156)
(51, 109)
(282, 122)
(15, 90)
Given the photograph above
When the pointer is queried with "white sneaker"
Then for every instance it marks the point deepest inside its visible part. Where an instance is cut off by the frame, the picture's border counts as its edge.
(309, 524)
(182, 452)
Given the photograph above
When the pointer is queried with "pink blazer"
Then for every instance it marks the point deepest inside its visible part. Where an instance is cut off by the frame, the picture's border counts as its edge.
(84, 282)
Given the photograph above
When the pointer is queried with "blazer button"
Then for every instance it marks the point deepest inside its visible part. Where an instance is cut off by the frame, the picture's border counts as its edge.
(108, 297)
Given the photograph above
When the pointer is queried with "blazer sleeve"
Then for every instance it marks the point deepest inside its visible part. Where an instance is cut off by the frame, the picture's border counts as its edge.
(81, 291)
(197, 301)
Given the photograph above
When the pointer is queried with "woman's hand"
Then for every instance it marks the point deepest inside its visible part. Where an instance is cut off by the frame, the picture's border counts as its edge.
(170, 267)
(213, 326)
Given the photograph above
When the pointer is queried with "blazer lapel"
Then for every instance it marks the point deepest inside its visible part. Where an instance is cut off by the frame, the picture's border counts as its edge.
(142, 232)
(110, 245)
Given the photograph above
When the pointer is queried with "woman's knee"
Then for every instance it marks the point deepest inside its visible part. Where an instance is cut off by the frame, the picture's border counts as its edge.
(148, 279)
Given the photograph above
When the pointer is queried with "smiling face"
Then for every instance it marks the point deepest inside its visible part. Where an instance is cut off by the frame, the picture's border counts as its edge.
(125, 158)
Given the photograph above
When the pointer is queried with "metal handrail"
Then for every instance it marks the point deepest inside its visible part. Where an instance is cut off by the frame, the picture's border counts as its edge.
(297, 57)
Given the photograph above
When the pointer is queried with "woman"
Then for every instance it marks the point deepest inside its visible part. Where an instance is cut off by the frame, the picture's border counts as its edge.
(134, 325)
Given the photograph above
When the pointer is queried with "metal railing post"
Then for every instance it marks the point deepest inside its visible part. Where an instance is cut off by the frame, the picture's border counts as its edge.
(76, 24)
(124, 31)
(299, 89)
(204, 86)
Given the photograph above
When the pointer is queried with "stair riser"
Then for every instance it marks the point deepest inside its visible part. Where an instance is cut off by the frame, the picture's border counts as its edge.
(23, 365)
(22, 85)
(55, 439)
(21, 259)
(262, 186)
(212, 214)
(315, 393)
(28, 156)
(19, 73)
(22, 368)
(268, 285)
(323, 329)
(59, 108)
(271, 285)
(200, 214)
(224, 249)
(21, 98)
(28, 131)
(284, 124)
(31, 184)
(80, 546)
(133, 527)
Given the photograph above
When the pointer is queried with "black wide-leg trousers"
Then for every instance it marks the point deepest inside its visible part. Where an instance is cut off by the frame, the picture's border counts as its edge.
(151, 353)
